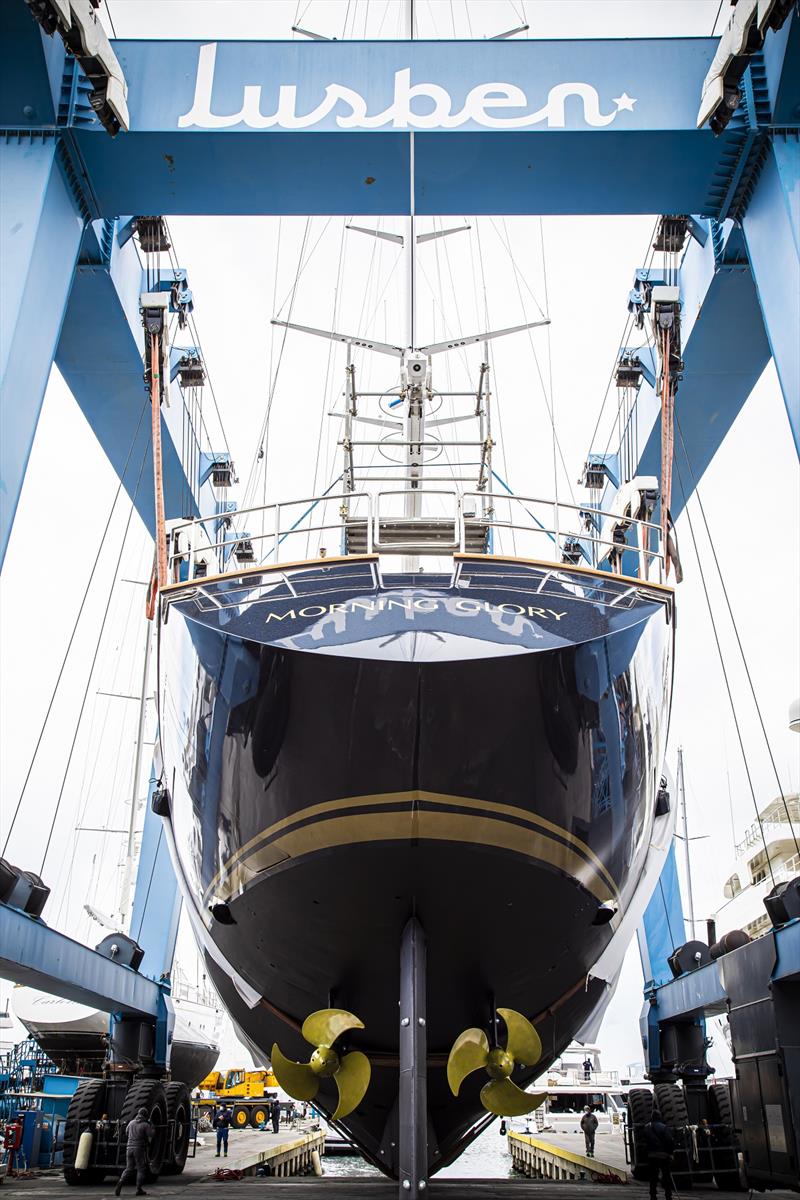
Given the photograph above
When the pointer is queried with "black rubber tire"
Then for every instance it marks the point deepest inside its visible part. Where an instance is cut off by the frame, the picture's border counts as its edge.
(240, 1118)
(640, 1110)
(671, 1103)
(85, 1107)
(725, 1143)
(258, 1114)
(179, 1116)
(150, 1095)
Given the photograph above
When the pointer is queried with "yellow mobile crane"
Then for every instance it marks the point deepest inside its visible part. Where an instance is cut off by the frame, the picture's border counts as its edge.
(249, 1093)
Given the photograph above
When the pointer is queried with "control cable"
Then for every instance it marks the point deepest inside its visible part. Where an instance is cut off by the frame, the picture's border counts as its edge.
(94, 657)
(725, 676)
(742, 654)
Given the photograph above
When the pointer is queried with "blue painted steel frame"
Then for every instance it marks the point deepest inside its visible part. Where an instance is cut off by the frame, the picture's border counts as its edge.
(702, 993)
(628, 124)
(40, 957)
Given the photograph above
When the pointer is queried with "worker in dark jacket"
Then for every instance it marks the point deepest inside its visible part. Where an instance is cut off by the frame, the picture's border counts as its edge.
(222, 1123)
(275, 1113)
(139, 1133)
(589, 1127)
(660, 1147)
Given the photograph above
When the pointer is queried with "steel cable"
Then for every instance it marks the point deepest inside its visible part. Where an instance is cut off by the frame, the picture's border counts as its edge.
(725, 675)
(94, 659)
(74, 630)
(742, 654)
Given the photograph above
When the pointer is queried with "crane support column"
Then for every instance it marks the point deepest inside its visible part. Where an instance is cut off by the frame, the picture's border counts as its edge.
(771, 227)
(40, 236)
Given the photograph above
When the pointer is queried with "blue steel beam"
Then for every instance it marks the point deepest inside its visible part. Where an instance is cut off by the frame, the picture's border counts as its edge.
(725, 350)
(697, 993)
(30, 68)
(702, 992)
(771, 225)
(39, 957)
(40, 235)
(629, 106)
(100, 356)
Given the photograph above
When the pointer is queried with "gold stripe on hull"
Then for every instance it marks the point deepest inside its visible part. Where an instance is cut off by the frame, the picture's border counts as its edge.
(324, 827)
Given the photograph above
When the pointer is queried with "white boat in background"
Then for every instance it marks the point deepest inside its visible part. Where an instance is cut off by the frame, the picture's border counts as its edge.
(767, 855)
(572, 1085)
(74, 1035)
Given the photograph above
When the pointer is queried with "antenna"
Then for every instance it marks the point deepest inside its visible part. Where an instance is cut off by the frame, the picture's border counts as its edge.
(315, 37)
(377, 233)
(499, 37)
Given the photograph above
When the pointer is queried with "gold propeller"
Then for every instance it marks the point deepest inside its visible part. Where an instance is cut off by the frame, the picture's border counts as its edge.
(471, 1051)
(351, 1072)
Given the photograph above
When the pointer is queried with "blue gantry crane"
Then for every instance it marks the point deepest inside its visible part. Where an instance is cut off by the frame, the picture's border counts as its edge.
(97, 134)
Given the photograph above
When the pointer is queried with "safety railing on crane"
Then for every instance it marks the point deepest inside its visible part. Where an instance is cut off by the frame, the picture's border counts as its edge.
(425, 521)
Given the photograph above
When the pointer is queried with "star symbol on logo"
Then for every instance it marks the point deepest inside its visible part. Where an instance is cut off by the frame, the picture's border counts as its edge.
(624, 102)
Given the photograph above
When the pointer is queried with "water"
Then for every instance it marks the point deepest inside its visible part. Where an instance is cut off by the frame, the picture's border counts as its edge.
(486, 1158)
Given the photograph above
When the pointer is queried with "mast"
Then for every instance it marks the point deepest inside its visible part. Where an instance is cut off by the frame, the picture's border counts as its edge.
(415, 393)
(682, 793)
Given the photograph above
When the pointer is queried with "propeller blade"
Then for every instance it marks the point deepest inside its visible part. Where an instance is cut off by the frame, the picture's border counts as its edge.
(470, 1052)
(505, 1099)
(352, 1080)
(524, 1044)
(297, 1079)
(322, 1028)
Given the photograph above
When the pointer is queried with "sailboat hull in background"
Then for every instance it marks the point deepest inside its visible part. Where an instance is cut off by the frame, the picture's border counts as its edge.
(74, 1036)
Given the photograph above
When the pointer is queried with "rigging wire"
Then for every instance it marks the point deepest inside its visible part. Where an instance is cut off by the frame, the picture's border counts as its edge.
(192, 324)
(76, 623)
(94, 658)
(716, 18)
(621, 346)
(728, 688)
(490, 355)
(547, 396)
(86, 786)
(110, 18)
(742, 654)
(261, 452)
(325, 401)
(552, 400)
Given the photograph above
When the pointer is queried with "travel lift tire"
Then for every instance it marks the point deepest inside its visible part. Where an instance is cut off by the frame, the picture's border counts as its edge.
(726, 1156)
(85, 1108)
(150, 1095)
(179, 1128)
(640, 1110)
(671, 1103)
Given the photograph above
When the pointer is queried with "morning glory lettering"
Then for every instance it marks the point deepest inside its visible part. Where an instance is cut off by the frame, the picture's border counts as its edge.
(483, 105)
(408, 605)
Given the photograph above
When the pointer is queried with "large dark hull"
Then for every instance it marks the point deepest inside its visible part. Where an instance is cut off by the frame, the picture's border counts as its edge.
(483, 751)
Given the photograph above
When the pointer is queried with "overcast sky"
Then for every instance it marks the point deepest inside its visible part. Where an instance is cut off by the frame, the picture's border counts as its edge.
(242, 272)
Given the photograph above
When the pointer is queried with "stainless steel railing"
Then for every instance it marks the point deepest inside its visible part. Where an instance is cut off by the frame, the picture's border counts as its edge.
(443, 522)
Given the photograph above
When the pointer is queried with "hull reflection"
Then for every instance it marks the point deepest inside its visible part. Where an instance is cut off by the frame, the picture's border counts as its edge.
(343, 749)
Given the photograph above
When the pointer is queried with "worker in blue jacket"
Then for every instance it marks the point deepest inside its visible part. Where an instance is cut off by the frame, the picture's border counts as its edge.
(222, 1123)
(660, 1147)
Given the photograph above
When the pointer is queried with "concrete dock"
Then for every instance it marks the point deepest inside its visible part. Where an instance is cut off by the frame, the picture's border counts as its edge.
(562, 1158)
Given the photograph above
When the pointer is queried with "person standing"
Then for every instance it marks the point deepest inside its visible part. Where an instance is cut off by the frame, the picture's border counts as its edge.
(222, 1123)
(139, 1134)
(587, 1069)
(660, 1146)
(275, 1114)
(589, 1127)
